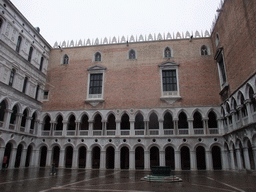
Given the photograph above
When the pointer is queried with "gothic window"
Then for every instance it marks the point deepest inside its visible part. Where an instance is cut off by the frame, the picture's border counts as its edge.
(97, 125)
(153, 121)
(217, 40)
(59, 125)
(212, 120)
(46, 95)
(221, 67)
(41, 63)
(132, 54)
(32, 125)
(139, 121)
(168, 122)
(84, 123)
(197, 123)
(2, 110)
(167, 52)
(182, 123)
(243, 109)
(47, 123)
(11, 80)
(125, 122)
(253, 101)
(25, 85)
(65, 59)
(18, 44)
(72, 123)
(97, 56)
(111, 124)
(30, 54)
(204, 50)
(1, 22)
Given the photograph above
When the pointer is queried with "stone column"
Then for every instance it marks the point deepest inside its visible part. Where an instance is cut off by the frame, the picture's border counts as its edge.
(193, 160)
(161, 127)
(162, 158)
(78, 123)
(232, 113)
(233, 167)
(53, 127)
(209, 165)
(28, 124)
(247, 103)
(224, 160)
(75, 159)
(12, 158)
(40, 128)
(90, 131)
(104, 127)
(175, 124)
(146, 127)
(177, 161)
(103, 159)
(147, 160)
(89, 159)
(246, 158)
(254, 155)
(65, 127)
(23, 158)
(49, 158)
(18, 121)
(117, 160)
(35, 158)
(205, 125)
(239, 160)
(190, 127)
(118, 133)
(239, 107)
(2, 149)
(132, 160)
(132, 131)
(7, 118)
(220, 126)
(62, 158)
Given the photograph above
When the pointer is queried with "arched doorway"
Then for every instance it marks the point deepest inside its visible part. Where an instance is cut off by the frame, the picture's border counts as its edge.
(250, 152)
(169, 157)
(200, 158)
(110, 158)
(185, 158)
(154, 156)
(18, 155)
(216, 158)
(82, 157)
(124, 158)
(28, 157)
(7, 154)
(96, 158)
(69, 157)
(139, 158)
(56, 156)
(43, 153)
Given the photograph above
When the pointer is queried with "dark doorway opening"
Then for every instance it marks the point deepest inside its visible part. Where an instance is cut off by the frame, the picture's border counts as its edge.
(154, 156)
(124, 158)
(216, 158)
(28, 157)
(139, 158)
(169, 157)
(7, 154)
(82, 157)
(56, 156)
(185, 158)
(69, 157)
(43, 156)
(200, 158)
(96, 158)
(110, 158)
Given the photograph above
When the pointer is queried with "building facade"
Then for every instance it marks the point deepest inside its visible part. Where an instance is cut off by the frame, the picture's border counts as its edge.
(181, 100)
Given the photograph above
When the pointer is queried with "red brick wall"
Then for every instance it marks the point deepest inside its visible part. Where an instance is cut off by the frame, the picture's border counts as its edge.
(237, 30)
(133, 83)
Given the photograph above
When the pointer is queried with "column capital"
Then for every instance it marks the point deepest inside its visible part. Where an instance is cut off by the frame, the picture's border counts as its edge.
(19, 114)
(8, 111)
(247, 101)
(53, 122)
(77, 121)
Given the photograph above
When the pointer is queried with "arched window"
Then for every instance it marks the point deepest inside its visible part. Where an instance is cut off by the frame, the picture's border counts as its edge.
(139, 121)
(65, 59)
(59, 125)
(168, 122)
(182, 123)
(41, 63)
(97, 125)
(12, 77)
(1, 22)
(111, 124)
(84, 123)
(72, 123)
(47, 123)
(197, 123)
(217, 40)
(153, 121)
(204, 50)
(167, 53)
(125, 122)
(37, 91)
(253, 101)
(212, 120)
(18, 44)
(243, 109)
(132, 54)
(30, 54)
(2, 110)
(33, 120)
(97, 56)
(24, 118)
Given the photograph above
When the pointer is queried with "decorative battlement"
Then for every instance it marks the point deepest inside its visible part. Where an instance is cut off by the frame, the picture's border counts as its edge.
(219, 10)
(132, 39)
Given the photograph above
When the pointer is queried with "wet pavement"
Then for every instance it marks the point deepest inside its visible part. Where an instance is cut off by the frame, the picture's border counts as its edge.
(39, 179)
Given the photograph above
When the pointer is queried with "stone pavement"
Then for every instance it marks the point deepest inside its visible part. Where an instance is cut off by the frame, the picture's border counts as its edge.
(39, 179)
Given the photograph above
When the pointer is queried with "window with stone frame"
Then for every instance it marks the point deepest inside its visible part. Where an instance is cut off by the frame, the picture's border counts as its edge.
(132, 54)
(167, 52)
(46, 95)
(221, 67)
(30, 54)
(65, 59)
(204, 50)
(18, 44)
(95, 83)
(25, 85)
(41, 63)
(12, 74)
(97, 56)
(169, 80)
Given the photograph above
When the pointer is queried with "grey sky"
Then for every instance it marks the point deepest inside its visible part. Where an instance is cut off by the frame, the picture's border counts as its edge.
(61, 20)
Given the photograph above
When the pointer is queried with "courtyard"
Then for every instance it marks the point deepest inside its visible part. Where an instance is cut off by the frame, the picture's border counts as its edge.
(39, 179)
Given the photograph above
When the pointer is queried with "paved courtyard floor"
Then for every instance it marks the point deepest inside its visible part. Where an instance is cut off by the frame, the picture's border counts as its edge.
(39, 179)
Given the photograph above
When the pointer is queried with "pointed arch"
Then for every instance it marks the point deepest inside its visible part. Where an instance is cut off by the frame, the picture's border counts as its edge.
(65, 59)
(167, 52)
(132, 54)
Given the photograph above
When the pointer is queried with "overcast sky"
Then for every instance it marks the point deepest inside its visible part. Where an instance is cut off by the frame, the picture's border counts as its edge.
(61, 20)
